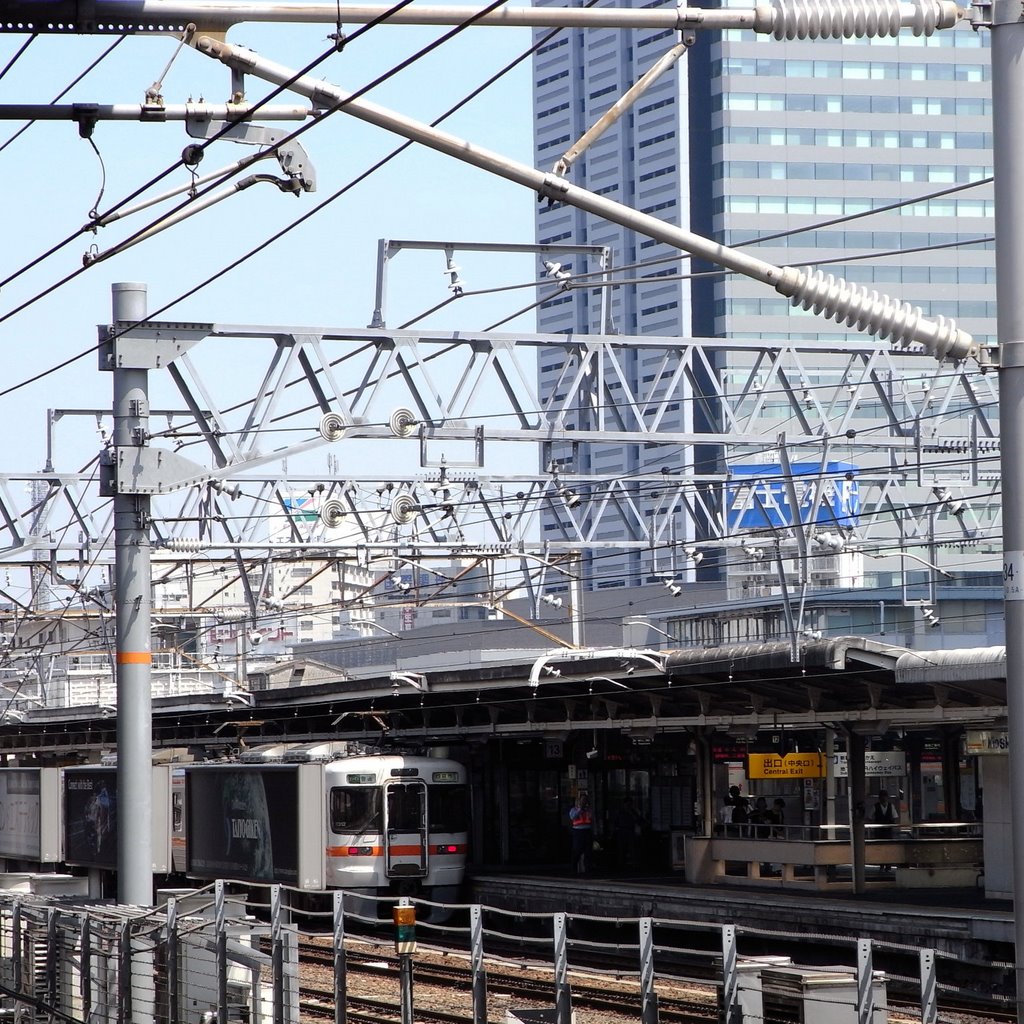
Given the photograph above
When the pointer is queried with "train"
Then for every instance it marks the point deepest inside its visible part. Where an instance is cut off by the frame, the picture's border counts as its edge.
(373, 824)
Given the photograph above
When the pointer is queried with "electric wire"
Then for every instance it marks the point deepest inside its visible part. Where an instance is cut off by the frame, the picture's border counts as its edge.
(19, 53)
(99, 60)
(831, 222)
(302, 219)
(173, 167)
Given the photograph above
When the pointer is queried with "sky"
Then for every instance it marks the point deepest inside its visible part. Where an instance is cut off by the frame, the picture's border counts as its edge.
(322, 273)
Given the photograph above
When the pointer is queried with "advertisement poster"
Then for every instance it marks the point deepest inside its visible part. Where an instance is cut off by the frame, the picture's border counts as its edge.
(243, 823)
(90, 817)
(19, 813)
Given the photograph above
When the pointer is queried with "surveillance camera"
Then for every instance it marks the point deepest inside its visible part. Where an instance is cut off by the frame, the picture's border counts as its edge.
(591, 754)
(255, 638)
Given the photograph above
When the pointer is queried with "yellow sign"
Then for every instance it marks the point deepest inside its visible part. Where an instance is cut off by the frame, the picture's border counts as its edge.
(788, 766)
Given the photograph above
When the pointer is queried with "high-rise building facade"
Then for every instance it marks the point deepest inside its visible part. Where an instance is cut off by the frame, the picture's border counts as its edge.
(784, 148)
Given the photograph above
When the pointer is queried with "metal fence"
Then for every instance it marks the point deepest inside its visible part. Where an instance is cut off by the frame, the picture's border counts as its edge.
(210, 956)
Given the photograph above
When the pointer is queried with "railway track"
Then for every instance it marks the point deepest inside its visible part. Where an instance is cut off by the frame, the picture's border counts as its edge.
(613, 997)
(687, 1001)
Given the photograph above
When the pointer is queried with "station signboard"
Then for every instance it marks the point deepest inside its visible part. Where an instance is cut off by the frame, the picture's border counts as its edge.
(785, 766)
(29, 802)
(878, 764)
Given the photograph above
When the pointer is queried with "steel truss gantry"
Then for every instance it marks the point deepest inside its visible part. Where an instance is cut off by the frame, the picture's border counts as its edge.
(445, 410)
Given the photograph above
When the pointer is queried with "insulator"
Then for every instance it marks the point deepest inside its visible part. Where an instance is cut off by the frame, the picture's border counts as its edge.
(187, 544)
(857, 19)
(402, 422)
(404, 508)
(877, 314)
(332, 513)
(332, 427)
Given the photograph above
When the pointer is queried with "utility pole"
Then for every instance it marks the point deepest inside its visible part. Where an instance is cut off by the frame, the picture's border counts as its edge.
(132, 578)
(1005, 21)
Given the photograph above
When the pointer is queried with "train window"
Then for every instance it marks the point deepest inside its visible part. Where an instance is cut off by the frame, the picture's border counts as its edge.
(405, 806)
(449, 809)
(177, 812)
(355, 810)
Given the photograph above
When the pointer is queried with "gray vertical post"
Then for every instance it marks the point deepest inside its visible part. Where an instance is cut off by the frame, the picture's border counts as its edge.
(476, 952)
(731, 1010)
(277, 953)
(865, 982)
(648, 997)
(405, 986)
(85, 966)
(1008, 161)
(132, 580)
(124, 972)
(858, 806)
(171, 954)
(340, 975)
(52, 955)
(563, 997)
(221, 939)
(929, 988)
(16, 945)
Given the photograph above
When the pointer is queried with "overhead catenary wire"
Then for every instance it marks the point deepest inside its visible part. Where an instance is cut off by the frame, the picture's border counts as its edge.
(19, 53)
(78, 78)
(302, 219)
(220, 133)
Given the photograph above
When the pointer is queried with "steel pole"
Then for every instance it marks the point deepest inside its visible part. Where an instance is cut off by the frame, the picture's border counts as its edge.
(132, 577)
(1008, 163)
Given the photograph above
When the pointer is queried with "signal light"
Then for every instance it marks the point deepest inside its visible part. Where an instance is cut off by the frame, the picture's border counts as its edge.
(404, 918)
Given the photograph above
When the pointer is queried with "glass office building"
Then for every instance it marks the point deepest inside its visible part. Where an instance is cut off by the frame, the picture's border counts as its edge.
(786, 148)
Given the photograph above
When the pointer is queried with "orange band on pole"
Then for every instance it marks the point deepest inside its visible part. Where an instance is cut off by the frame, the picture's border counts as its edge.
(134, 658)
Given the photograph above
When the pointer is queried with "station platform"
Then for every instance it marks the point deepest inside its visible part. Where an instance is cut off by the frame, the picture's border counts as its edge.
(958, 922)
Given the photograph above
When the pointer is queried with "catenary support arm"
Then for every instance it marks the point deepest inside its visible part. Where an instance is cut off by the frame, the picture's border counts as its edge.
(835, 298)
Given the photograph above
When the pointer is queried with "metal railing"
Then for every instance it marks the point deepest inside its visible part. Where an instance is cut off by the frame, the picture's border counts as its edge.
(210, 957)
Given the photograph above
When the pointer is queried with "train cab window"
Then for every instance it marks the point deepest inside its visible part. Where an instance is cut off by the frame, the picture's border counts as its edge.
(449, 809)
(355, 810)
(405, 806)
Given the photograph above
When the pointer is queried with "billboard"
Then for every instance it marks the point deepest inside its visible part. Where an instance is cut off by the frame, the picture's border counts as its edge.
(757, 497)
(20, 813)
(90, 817)
(243, 822)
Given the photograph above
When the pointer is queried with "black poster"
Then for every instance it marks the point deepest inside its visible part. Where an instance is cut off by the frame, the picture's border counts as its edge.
(90, 817)
(243, 823)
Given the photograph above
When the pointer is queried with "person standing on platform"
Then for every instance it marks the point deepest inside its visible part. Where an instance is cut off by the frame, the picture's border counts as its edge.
(740, 807)
(884, 814)
(582, 822)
